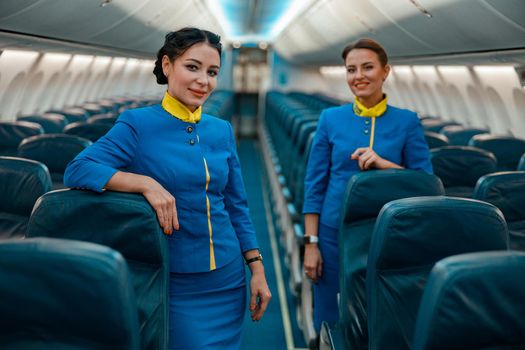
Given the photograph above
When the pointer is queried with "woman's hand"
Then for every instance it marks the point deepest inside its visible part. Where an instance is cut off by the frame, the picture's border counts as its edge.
(161, 200)
(313, 262)
(260, 294)
(164, 205)
(367, 159)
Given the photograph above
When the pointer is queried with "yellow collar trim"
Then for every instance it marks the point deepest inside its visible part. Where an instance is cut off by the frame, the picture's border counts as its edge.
(178, 110)
(376, 111)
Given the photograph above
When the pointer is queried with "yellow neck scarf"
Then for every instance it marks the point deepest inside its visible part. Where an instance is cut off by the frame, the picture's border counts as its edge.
(178, 110)
(376, 111)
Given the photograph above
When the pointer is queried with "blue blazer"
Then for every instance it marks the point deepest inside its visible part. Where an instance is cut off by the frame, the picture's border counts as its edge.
(398, 138)
(151, 142)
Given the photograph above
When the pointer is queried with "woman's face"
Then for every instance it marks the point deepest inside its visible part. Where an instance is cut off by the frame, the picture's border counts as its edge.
(365, 75)
(193, 75)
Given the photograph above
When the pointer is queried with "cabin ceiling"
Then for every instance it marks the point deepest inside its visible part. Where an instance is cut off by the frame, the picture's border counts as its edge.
(412, 31)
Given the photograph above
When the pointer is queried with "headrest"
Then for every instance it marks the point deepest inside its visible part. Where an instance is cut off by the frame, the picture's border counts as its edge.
(461, 165)
(12, 133)
(459, 135)
(22, 181)
(50, 122)
(435, 125)
(473, 301)
(420, 231)
(90, 131)
(368, 191)
(435, 140)
(122, 221)
(56, 292)
(107, 118)
(54, 150)
(507, 149)
(506, 190)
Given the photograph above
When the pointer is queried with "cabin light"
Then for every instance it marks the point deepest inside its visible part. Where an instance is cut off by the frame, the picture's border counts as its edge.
(263, 45)
(19, 54)
(453, 69)
(236, 45)
(496, 69)
(424, 69)
(402, 69)
(218, 12)
(57, 57)
(82, 59)
(296, 8)
(333, 70)
(102, 60)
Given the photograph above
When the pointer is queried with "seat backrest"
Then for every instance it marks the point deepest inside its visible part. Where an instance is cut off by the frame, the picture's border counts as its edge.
(366, 194)
(22, 181)
(90, 131)
(507, 149)
(410, 236)
(63, 294)
(459, 135)
(54, 150)
(52, 123)
(506, 190)
(126, 223)
(521, 165)
(461, 165)
(12, 133)
(435, 140)
(473, 301)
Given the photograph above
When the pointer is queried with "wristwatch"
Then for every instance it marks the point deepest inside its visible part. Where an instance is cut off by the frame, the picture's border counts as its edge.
(309, 239)
(254, 259)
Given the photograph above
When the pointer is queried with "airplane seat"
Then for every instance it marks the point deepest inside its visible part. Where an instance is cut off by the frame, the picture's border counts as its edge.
(12, 133)
(126, 223)
(435, 140)
(105, 118)
(460, 167)
(410, 236)
(93, 108)
(435, 125)
(459, 135)
(63, 294)
(507, 149)
(72, 114)
(52, 123)
(22, 181)
(521, 165)
(366, 193)
(506, 190)
(473, 302)
(90, 131)
(55, 151)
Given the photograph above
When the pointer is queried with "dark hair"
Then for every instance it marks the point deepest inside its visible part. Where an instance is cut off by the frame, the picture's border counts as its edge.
(368, 44)
(176, 43)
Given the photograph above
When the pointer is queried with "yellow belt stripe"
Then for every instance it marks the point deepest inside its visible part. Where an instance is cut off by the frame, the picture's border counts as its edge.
(212, 252)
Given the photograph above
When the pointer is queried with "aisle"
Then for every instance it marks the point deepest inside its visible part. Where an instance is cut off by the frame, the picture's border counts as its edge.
(278, 329)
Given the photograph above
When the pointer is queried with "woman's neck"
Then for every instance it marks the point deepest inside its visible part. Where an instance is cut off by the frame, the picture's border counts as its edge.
(371, 101)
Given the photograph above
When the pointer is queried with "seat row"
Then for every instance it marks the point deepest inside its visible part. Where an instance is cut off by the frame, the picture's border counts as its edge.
(286, 151)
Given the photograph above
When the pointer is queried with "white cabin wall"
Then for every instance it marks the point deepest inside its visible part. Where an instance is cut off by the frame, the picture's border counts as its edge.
(34, 82)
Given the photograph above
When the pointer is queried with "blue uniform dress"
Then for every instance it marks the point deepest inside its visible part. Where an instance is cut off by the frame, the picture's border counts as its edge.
(396, 135)
(197, 162)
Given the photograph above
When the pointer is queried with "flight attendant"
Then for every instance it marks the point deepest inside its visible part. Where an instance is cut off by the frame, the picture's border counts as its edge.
(367, 134)
(185, 164)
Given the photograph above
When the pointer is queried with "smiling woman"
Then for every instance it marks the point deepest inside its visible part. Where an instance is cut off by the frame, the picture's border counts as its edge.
(185, 164)
(368, 134)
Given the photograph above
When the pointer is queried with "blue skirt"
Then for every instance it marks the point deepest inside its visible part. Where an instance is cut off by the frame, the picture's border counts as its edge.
(207, 309)
(327, 286)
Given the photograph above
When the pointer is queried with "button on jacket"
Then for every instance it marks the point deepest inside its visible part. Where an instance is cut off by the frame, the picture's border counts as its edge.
(397, 137)
(197, 163)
